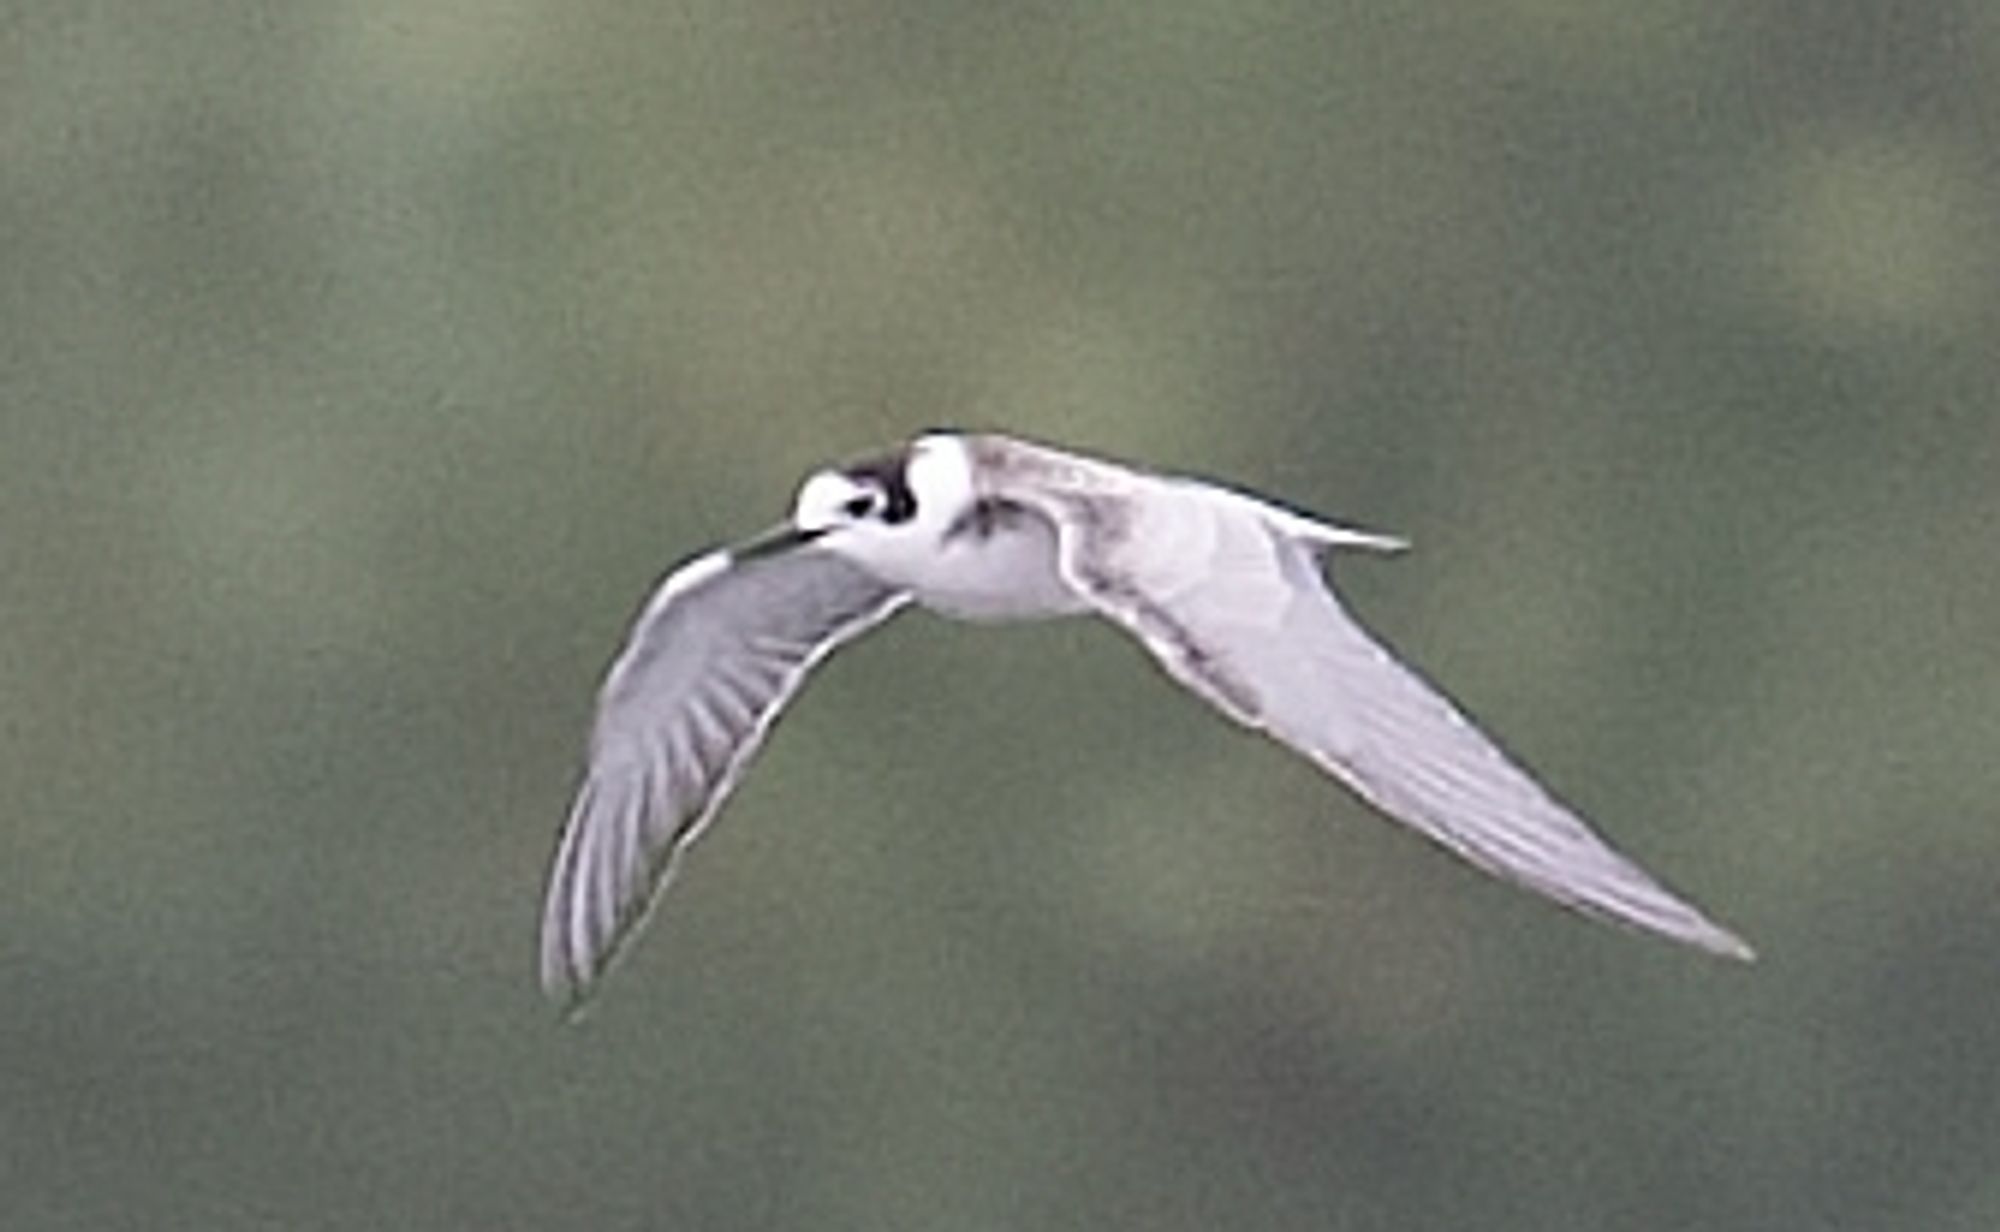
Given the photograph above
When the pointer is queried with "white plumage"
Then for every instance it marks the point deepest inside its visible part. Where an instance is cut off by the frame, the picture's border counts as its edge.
(1224, 589)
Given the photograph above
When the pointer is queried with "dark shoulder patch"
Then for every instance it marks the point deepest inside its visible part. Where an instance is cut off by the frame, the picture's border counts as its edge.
(890, 472)
(987, 516)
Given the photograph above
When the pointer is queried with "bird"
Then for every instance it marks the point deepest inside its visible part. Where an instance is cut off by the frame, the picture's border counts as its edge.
(1225, 589)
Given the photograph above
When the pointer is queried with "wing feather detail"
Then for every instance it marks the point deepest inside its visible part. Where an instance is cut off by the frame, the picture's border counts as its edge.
(1230, 599)
(719, 650)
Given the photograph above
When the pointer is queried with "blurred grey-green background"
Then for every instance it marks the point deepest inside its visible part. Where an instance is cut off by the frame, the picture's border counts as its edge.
(363, 363)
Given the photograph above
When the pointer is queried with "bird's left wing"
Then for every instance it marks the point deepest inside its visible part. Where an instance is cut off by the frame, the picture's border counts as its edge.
(1227, 594)
(719, 649)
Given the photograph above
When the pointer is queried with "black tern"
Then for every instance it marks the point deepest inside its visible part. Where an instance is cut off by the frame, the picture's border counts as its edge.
(1225, 590)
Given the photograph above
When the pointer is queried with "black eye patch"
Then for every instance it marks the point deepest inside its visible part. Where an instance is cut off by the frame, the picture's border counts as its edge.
(858, 506)
(887, 473)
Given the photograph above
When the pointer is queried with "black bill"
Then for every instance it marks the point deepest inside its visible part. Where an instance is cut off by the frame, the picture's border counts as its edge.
(774, 542)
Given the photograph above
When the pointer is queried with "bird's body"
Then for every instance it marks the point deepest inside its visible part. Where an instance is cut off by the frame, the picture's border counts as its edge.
(1000, 564)
(1223, 588)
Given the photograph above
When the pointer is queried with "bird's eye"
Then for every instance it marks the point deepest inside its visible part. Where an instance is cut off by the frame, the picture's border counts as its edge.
(858, 506)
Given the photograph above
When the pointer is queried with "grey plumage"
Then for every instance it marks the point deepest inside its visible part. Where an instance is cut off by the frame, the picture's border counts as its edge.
(709, 665)
(1224, 589)
(1251, 625)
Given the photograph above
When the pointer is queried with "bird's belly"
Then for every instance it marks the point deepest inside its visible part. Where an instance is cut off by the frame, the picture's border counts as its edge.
(1007, 575)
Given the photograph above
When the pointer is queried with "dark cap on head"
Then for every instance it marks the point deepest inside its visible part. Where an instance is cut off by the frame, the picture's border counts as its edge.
(889, 472)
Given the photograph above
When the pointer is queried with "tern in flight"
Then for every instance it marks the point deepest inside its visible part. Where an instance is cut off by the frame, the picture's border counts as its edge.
(1224, 589)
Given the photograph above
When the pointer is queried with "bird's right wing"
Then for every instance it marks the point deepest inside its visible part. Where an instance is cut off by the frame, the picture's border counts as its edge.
(720, 648)
(1230, 599)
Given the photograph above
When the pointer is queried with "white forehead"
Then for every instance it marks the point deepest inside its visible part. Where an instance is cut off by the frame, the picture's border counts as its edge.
(937, 472)
(820, 498)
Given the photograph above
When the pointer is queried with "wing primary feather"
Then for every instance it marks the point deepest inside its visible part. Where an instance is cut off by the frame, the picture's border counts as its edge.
(718, 650)
(1226, 593)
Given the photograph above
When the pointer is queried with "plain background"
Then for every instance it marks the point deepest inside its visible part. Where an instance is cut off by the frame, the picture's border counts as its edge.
(363, 363)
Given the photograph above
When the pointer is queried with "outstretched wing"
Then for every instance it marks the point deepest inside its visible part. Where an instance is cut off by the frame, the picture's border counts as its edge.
(1232, 603)
(720, 648)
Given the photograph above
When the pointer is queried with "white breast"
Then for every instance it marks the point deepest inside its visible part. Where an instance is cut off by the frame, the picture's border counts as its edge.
(1008, 573)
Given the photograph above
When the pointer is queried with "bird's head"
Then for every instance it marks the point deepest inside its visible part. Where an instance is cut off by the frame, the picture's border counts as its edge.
(889, 509)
